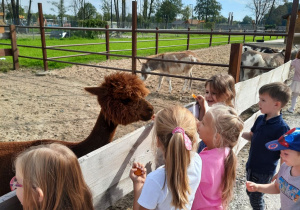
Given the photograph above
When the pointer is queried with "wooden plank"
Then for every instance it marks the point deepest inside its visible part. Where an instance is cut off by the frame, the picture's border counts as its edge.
(2, 30)
(5, 35)
(5, 52)
(14, 47)
(10, 201)
(106, 170)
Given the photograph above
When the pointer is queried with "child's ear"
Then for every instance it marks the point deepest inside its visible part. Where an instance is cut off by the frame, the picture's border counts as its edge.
(278, 104)
(40, 194)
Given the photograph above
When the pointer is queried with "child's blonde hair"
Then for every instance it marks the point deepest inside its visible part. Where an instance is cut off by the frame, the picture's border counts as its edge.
(229, 126)
(223, 85)
(298, 54)
(177, 157)
(54, 169)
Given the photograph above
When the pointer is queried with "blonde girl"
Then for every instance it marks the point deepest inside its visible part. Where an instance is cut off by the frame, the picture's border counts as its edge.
(173, 185)
(218, 89)
(219, 129)
(49, 177)
(295, 86)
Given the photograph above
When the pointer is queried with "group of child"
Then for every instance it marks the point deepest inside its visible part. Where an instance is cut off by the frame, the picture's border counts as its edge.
(49, 176)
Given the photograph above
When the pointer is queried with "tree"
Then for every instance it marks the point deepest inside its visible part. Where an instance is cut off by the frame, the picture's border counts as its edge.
(275, 17)
(106, 9)
(29, 13)
(260, 8)
(61, 9)
(247, 20)
(206, 9)
(88, 11)
(168, 10)
(186, 12)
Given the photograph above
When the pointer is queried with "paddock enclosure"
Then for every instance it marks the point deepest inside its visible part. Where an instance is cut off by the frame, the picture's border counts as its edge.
(106, 169)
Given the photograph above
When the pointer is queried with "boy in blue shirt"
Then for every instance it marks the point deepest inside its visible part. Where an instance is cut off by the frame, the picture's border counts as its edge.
(261, 164)
(288, 181)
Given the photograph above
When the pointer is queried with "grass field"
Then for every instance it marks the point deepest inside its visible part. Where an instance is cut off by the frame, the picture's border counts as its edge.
(166, 44)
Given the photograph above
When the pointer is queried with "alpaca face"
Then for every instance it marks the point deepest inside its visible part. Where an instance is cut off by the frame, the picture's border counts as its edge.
(122, 99)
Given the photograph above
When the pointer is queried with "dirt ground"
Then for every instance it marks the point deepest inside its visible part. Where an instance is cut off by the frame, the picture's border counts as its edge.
(55, 105)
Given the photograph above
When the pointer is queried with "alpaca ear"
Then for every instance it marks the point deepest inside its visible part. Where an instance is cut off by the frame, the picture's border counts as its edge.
(93, 90)
(40, 194)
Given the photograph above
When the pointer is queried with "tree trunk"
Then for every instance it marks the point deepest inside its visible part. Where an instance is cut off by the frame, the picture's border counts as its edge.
(123, 13)
(117, 12)
(29, 13)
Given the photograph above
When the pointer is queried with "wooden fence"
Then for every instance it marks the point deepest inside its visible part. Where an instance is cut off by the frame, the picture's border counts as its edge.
(134, 31)
(14, 52)
(106, 170)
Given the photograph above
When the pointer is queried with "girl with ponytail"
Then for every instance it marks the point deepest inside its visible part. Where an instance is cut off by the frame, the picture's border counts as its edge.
(219, 129)
(173, 185)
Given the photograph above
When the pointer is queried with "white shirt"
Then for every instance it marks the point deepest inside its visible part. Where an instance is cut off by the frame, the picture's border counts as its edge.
(155, 193)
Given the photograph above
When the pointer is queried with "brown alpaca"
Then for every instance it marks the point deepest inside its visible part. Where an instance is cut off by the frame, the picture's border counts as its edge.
(121, 97)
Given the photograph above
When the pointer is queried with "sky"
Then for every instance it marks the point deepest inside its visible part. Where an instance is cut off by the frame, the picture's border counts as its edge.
(237, 7)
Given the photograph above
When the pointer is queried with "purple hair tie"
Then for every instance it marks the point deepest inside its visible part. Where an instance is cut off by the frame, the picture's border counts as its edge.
(187, 141)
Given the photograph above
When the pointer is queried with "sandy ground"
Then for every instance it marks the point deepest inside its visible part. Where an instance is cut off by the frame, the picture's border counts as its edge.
(55, 106)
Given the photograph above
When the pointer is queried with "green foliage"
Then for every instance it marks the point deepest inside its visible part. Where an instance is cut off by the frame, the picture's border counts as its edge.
(209, 25)
(87, 12)
(91, 23)
(247, 20)
(275, 17)
(206, 9)
(168, 10)
(272, 26)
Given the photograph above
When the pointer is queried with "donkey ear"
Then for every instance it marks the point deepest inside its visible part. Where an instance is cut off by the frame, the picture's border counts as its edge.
(93, 90)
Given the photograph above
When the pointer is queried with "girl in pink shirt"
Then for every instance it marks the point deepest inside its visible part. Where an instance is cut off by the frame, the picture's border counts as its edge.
(219, 129)
(295, 86)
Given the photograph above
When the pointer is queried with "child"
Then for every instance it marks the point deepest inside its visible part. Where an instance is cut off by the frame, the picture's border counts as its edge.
(219, 129)
(295, 86)
(288, 182)
(218, 89)
(173, 185)
(49, 177)
(262, 163)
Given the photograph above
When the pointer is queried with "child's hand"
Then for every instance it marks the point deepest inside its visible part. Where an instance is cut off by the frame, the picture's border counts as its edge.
(251, 186)
(201, 100)
(138, 173)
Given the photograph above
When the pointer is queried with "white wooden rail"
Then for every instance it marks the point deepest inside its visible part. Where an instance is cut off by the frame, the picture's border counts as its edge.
(106, 170)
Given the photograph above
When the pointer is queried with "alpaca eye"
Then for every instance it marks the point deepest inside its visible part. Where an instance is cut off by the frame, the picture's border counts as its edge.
(126, 101)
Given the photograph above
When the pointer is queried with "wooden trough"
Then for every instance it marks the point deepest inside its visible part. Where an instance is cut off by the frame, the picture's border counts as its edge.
(106, 170)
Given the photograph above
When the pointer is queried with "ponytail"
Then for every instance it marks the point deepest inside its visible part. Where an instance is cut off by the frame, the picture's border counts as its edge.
(177, 161)
(228, 178)
(175, 128)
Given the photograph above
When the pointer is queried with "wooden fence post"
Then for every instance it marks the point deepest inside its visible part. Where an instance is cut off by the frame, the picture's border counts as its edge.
(235, 61)
(210, 39)
(134, 35)
(107, 41)
(290, 38)
(42, 31)
(156, 41)
(229, 37)
(14, 47)
(244, 36)
(188, 40)
(254, 35)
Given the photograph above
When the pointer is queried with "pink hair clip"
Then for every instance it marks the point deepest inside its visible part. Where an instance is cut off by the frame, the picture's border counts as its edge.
(187, 141)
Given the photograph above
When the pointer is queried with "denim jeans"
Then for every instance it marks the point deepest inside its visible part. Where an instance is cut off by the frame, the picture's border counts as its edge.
(256, 198)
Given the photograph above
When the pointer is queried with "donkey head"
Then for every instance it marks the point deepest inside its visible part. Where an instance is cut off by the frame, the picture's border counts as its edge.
(145, 69)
